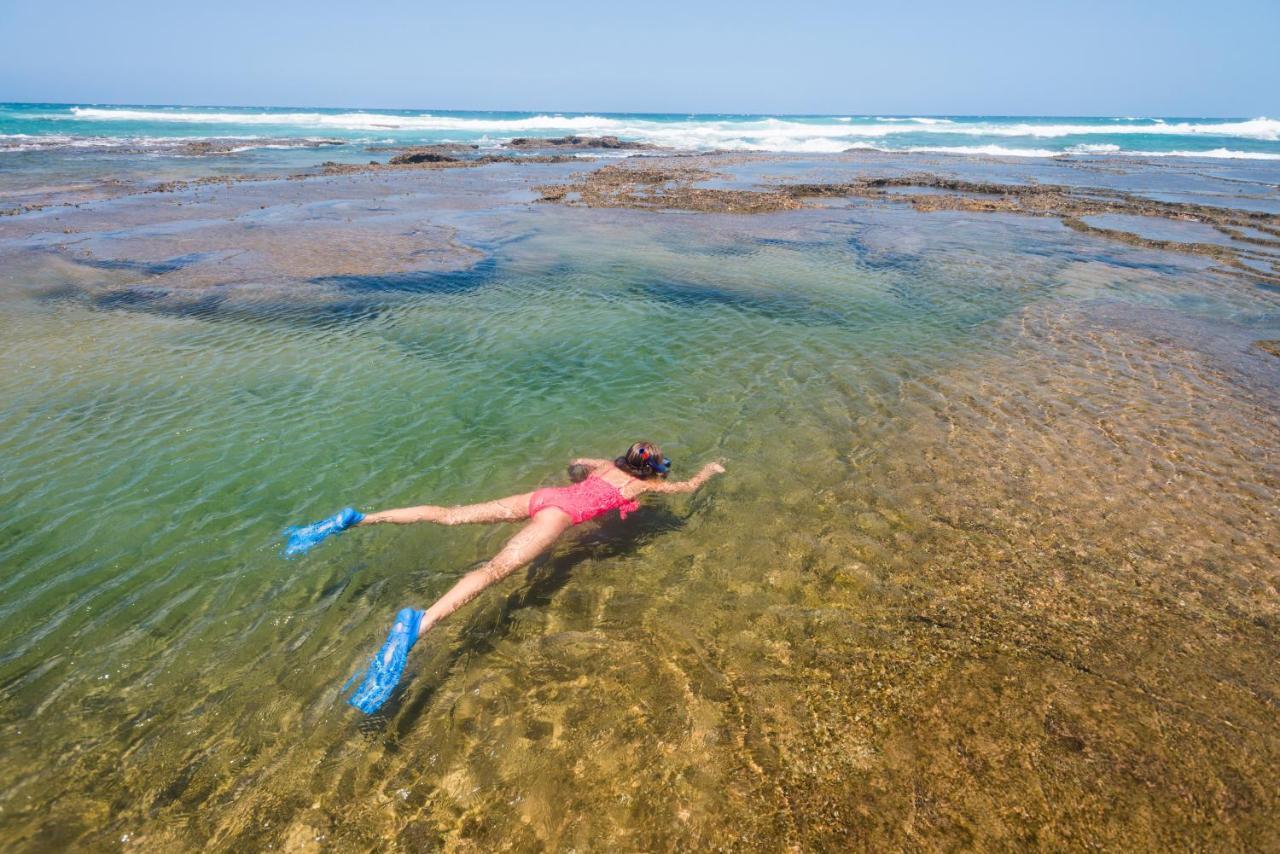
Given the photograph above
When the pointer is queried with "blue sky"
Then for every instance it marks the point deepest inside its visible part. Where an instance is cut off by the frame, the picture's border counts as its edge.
(1175, 58)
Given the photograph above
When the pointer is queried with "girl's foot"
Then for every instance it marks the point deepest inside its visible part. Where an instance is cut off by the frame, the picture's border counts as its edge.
(302, 540)
(385, 669)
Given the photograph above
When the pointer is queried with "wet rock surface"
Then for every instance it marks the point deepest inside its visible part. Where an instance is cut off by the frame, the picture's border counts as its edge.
(437, 148)
(438, 160)
(663, 185)
(579, 142)
(672, 183)
(410, 157)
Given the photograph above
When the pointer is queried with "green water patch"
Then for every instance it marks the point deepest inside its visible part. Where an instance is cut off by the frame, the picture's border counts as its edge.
(235, 424)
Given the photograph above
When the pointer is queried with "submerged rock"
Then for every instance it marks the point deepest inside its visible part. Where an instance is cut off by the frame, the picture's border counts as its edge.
(578, 142)
(424, 156)
(671, 182)
(442, 152)
(437, 147)
(431, 159)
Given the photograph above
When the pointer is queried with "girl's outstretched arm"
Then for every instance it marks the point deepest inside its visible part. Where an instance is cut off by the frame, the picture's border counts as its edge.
(708, 471)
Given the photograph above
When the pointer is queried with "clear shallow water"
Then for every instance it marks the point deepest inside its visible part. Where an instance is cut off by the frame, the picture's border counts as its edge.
(992, 563)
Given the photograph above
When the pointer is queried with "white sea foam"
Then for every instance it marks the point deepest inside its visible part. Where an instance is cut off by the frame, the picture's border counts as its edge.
(1094, 148)
(986, 150)
(44, 142)
(1260, 128)
(358, 121)
(801, 135)
(1101, 150)
(1217, 153)
(151, 144)
(708, 133)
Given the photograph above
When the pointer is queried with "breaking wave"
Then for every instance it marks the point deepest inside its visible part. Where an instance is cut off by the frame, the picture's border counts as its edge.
(176, 145)
(654, 129)
(174, 130)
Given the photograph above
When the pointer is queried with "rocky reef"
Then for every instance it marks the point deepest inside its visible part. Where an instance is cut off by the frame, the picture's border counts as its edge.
(431, 159)
(1251, 247)
(663, 184)
(414, 157)
(437, 148)
(579, 142)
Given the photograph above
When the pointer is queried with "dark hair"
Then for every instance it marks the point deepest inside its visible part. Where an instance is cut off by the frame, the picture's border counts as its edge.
(634, 463)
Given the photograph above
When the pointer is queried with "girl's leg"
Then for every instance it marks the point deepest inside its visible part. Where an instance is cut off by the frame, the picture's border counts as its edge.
(388, 664)
(532, 540)
(509, 509)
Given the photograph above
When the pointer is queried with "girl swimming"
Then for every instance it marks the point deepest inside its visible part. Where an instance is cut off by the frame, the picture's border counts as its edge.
(609, 484)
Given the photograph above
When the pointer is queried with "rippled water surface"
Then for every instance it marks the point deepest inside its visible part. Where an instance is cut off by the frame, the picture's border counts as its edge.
(994, 563)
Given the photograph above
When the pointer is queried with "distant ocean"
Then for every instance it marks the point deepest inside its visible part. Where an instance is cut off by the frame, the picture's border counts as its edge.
(27, 127)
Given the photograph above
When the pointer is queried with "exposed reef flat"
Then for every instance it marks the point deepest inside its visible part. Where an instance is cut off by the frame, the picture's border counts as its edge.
(1240, 233)
(665, 185)
(409, 159)
(337, 238)
(440, 160)
(1252, 245)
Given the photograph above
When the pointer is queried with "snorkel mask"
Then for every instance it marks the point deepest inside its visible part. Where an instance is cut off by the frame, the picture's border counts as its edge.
(657, 462)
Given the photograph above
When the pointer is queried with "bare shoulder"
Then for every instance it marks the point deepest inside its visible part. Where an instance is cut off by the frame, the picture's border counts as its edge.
(602, 467)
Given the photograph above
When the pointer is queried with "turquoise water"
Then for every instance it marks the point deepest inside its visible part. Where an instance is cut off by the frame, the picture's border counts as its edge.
(992, 563)
(53, 126)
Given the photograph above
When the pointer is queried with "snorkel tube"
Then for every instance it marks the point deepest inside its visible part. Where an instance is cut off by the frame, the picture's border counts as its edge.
(654, 461)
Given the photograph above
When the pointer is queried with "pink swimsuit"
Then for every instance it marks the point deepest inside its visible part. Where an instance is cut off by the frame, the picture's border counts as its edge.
(584, 500)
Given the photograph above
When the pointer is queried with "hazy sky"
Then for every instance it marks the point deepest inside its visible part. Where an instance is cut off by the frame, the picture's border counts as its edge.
(1123, 57)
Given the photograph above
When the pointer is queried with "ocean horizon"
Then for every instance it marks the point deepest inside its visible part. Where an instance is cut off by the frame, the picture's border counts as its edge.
(44, 127)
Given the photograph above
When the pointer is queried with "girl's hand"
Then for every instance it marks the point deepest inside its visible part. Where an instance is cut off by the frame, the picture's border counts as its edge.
(715, 468)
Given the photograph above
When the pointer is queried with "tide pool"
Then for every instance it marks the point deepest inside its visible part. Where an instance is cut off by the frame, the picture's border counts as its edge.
(992, 558)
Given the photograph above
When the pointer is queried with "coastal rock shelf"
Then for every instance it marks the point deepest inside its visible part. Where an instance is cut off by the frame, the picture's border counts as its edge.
(608, 143)
(1249, 241)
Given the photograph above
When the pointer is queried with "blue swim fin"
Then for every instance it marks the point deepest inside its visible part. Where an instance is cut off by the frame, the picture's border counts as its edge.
(302, 540)
(385, 669)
